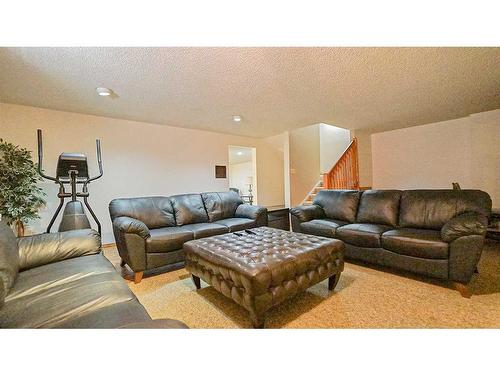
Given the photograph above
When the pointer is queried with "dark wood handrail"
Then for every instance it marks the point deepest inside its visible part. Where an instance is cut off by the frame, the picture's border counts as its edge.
(345, 173)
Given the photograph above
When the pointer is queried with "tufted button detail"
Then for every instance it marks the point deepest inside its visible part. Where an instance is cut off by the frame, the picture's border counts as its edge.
(261, 270)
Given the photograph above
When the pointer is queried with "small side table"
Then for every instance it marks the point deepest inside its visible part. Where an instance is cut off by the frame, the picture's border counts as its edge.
(278, 217)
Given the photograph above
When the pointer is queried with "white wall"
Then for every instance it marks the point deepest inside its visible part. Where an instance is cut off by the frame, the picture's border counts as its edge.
(465, 150)
(332, 142)
(238, 176)
(140, 159)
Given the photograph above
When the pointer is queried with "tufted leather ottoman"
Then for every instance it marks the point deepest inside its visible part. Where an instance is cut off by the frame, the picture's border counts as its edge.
(260, 270)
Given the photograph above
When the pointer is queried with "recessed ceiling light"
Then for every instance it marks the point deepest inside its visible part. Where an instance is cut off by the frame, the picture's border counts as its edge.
(236, 118)
(103, 91)
(239, 153)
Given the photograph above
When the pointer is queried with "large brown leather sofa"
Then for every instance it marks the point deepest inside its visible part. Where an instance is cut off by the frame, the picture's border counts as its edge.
(62, 280)
(437, 233)
(150, 231)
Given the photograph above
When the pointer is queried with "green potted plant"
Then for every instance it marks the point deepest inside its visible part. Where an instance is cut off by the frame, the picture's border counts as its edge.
(20, 197)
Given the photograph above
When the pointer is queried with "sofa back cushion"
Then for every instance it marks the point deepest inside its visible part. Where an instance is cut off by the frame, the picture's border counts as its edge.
(155, 212)
(221, 205)
(9, 259)
(338, 204)
(431, 209)
(379, 207)
(189, 209)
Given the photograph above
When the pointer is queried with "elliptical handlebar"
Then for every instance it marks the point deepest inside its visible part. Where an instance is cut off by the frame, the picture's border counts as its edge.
(99, 162)
(40, 158)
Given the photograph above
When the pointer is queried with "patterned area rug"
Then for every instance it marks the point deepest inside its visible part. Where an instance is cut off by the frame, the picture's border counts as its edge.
(365, 297)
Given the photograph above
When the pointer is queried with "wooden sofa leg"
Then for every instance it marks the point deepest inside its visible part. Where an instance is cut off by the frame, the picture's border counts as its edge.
(332, 281)
(463, 289)
(138, 277)
(122, 263)
(258, 321)
(196, 281)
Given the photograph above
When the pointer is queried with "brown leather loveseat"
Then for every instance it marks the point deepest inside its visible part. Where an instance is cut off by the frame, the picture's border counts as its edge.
(150, 231)
(438, 233)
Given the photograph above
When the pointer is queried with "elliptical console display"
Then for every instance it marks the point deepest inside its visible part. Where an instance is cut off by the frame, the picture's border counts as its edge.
(72, 169)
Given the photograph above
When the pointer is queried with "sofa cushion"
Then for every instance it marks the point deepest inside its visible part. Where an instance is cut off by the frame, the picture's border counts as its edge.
(338, 204)
(221, 205)
(116, 315)
(163, 240)
(236, 223)
(430, 267)
(362, 234)
(189, 209)
(157, 324)
(431, 209)
(9, 259)
(321, 227)
(155, 212)
(419, 243)
(379, 207)
(58, 294)
(202, 230)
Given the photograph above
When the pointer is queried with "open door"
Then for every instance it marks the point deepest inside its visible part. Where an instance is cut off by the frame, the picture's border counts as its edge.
(243, 172)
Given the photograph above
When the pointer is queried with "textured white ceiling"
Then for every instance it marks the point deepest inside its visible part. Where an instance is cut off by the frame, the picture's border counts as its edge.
(273, 89)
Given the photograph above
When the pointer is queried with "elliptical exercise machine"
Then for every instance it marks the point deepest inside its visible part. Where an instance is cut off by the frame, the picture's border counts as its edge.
(72, 169)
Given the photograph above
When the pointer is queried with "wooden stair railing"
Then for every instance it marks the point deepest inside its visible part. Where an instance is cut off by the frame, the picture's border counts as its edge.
(345, 173)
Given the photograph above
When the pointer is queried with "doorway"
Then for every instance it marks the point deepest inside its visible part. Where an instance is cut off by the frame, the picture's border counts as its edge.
(243, 172)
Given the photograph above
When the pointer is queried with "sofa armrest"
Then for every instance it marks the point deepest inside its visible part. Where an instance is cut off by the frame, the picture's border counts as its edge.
(257, 213)
(307, 213)
(465, 253)
(130, 236)
(156, 324)
(465, 224)
(48, 248)
(126, 224)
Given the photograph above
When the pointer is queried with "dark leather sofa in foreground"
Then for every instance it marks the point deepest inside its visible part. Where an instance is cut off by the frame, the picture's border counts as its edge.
(437, 233)
(62, 280)
(150, 231)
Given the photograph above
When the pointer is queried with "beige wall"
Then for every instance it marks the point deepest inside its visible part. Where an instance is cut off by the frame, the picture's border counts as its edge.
(304, 162)
(465, 150)
(140, 159)
(276, 148)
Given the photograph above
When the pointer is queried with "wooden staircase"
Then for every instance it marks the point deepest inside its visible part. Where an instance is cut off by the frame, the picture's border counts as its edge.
(343, 175)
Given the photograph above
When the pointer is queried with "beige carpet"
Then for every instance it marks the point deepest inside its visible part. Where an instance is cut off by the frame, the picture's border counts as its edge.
(364, 298)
